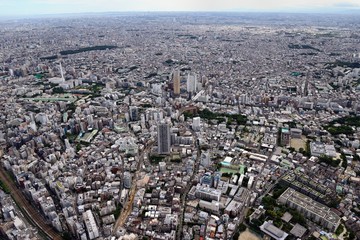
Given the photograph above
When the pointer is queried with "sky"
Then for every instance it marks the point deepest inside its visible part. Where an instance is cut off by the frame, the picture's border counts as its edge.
(37, 7)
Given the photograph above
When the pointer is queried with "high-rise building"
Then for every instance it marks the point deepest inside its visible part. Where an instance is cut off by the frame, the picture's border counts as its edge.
(90, 120)
(217, 177)
(205, 159)
(285, 136)
(62, 73)
(176, 79)
(191, 84)
(127, 180)
(207, 180)
(164, 140)
(196, 124)
(134, 113)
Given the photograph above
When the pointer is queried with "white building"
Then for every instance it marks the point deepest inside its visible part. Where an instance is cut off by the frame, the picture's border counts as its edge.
(213, 206)
(196, 124)
(273, 231)
(91, 227)
(127, 180)
(191, 84)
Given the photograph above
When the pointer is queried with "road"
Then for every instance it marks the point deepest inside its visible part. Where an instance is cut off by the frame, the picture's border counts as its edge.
(34, 216)
(125, 212)
(187, 189)
(268, 189)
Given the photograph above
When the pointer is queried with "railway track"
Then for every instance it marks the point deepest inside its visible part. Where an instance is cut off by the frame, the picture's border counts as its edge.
(31, 213)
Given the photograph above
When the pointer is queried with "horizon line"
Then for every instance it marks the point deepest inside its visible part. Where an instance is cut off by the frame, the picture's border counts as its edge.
(284, 11)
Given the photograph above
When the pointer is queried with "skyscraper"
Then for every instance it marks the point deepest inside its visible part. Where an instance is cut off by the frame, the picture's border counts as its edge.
(62, 73)
(191, 83)
(176, 79)
(164, 140)
(134, 113)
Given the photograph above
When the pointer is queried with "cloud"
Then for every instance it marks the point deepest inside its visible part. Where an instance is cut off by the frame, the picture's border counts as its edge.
(346, 5)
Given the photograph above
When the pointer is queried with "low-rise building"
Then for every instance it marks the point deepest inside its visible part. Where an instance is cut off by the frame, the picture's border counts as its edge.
(273, 231)
(310, 208)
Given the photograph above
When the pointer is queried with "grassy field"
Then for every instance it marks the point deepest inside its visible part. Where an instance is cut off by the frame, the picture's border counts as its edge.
(228, 170)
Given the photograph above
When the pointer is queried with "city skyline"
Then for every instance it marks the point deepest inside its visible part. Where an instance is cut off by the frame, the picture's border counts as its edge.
(41, 7)
(179, 126)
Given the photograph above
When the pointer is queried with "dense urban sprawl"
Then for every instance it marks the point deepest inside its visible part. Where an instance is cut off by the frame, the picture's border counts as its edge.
(180, 126)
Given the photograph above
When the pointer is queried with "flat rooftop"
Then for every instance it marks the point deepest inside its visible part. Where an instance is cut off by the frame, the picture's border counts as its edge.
(310, 205)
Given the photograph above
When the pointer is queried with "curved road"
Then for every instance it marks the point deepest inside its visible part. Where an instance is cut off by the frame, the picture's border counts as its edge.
(34, 216)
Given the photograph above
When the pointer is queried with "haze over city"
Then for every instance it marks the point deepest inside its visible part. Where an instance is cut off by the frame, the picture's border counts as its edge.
(36, 7)
(179, 120)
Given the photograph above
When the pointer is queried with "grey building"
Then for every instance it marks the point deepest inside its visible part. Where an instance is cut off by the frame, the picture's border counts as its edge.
(164, 140)
(310, 208)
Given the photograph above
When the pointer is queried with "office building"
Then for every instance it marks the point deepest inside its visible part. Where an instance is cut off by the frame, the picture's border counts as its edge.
(164, 139)
(196, 124)
(233, 208)
(217, 177)
(208, 194)
(213, 206)
(285, 136)
(207, 180)
(127, 180)
(176, 80)
(205, 159)
(191, 84)
(134, 113)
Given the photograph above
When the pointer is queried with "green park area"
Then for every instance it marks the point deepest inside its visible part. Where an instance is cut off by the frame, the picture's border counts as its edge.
(219, 117)
(343, 125)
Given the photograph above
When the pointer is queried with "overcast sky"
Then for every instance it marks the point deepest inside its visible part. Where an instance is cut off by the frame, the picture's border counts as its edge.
(34, 7)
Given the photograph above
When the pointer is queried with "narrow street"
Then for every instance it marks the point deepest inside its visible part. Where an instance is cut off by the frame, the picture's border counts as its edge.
(187, 189)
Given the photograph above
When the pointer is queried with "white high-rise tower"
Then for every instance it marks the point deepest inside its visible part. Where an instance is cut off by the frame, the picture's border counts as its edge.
(62, 73)
(191, 83)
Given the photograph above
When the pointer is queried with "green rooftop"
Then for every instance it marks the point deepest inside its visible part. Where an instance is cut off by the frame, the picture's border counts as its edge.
(285, 130)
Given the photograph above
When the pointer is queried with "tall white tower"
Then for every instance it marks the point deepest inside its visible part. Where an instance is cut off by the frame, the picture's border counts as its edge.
(62, 73)
(191, 83)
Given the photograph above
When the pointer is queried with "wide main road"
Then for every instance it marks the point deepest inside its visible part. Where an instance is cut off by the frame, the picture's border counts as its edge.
(28, 209)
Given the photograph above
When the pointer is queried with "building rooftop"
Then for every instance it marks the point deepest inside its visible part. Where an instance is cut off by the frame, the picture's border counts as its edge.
(273, 231)
(298, 230)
